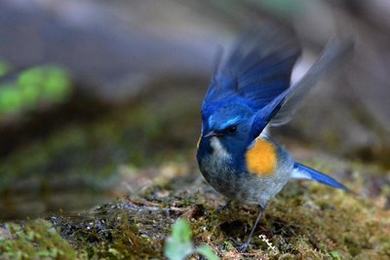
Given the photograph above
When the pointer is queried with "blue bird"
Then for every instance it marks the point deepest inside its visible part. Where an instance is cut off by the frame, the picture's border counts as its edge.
(250, 92)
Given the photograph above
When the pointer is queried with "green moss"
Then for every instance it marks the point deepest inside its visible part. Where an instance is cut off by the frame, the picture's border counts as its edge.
(306, 220)
(36, 239)
(111, 232)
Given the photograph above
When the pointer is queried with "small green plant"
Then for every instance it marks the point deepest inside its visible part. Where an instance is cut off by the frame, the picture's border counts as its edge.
(335, 255)
(33, 87)
(179, 245)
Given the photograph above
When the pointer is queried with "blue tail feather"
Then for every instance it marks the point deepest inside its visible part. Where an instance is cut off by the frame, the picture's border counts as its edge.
(304, 172)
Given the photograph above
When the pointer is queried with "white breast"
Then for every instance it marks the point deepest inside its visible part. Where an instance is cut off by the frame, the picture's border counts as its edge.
(219, 152)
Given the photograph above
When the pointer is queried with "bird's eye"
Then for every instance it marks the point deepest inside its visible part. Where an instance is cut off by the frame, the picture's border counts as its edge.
(231, 129)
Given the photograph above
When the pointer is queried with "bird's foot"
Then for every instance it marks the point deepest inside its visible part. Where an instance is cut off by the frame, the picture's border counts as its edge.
(243, 247)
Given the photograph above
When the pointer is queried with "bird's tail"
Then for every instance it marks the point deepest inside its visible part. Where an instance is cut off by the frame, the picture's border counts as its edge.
(303, 172)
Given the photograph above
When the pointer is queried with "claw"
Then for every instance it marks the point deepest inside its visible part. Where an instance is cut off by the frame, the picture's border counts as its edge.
(243, 247)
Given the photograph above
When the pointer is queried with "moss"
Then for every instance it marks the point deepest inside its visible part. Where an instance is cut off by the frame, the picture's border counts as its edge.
(112, 231)
(304, 221)
(309, 221)
(36, 239)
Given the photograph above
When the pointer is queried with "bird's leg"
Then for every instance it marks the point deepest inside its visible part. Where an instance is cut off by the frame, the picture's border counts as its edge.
(244, 246)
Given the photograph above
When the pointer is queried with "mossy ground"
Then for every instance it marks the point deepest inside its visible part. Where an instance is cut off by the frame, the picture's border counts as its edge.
(146, 159)
(306, 221)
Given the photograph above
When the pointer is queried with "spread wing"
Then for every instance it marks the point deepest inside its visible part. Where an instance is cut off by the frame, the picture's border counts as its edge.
(332, 55)
(256, 71)
(281, 109)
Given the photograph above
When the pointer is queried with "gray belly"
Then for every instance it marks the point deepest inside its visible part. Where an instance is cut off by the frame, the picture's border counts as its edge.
(243, 186)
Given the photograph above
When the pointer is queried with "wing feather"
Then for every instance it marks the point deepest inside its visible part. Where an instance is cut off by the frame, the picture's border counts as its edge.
(257, 70)
(334, 52)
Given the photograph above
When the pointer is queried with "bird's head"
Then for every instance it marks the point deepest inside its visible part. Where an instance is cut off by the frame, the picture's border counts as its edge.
(226, 128)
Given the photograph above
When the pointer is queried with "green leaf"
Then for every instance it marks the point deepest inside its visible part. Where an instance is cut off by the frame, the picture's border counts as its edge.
(178, 246)
(181, 231)
(207, 252)
(335, 255)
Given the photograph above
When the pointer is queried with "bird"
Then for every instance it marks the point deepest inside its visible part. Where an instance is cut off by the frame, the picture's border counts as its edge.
(250, 92)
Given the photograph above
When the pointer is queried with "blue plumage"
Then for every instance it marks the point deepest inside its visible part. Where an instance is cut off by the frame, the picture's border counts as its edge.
(249, 91)
(317, 176)
(258, 69)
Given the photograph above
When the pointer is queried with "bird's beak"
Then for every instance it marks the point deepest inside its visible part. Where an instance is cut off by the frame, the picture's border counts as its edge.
(211, 134)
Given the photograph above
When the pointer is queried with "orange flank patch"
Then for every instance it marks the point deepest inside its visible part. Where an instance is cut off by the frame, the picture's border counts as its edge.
(261, 158)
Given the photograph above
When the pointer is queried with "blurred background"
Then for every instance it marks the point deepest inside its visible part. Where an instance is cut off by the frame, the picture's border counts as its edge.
(93, 91)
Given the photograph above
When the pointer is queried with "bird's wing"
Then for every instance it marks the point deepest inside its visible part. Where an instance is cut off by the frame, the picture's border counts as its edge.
(280, 110)
(334, 52)
(256, 71)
